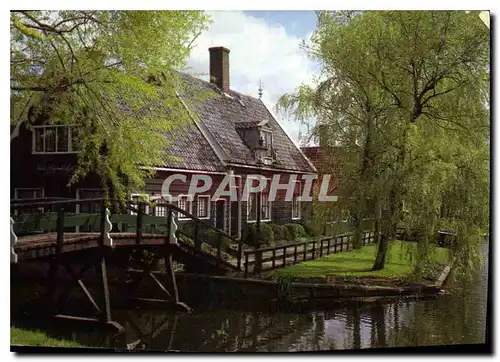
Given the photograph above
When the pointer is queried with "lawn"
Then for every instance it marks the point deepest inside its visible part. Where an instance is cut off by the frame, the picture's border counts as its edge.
(358, 263)
(25, 337)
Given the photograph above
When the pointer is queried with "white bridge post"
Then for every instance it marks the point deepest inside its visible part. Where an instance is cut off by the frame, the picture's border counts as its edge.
(13, 241)
(108, 241)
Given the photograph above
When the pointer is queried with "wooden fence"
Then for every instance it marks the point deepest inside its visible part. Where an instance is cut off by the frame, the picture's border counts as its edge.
(276, 257)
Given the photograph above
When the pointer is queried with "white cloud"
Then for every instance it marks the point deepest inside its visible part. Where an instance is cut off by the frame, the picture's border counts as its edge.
(260, 51)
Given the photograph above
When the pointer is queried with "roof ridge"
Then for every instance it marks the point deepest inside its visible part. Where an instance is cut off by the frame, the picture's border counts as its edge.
(217, 88)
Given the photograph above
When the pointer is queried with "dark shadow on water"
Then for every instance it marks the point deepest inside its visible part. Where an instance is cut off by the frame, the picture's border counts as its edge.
(458, 317)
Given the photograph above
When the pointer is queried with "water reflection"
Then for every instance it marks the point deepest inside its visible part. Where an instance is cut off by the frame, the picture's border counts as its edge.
(458, 317)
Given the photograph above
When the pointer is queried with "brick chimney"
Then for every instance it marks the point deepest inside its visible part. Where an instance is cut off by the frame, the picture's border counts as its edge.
(219, 68)
(322, 135)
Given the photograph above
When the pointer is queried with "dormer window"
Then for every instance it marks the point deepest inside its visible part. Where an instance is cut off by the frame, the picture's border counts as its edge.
(54, 139)
(267, 141)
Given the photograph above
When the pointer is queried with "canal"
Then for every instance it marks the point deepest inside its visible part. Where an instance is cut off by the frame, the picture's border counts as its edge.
(457, 317)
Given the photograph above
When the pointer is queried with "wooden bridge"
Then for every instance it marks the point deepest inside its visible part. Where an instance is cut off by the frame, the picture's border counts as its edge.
(131, 239)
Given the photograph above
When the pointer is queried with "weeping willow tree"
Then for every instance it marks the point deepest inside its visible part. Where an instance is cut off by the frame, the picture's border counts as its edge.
(406, 93)
(111, 73)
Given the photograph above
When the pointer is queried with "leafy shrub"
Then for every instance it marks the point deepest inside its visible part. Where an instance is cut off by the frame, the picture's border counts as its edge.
(295, 231)
(312, 228)
(266, 236)
(212, 237)
(279, 232)
(187, 240)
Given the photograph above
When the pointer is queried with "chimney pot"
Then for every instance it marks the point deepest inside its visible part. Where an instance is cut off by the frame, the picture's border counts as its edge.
(219, 68)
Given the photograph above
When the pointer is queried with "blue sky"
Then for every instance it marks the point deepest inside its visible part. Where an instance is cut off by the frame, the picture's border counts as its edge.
(265, 47)
(298, 23)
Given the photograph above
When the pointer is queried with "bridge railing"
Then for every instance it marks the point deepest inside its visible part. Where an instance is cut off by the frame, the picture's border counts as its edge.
(59, 216)
(301, 251)
(54, 221)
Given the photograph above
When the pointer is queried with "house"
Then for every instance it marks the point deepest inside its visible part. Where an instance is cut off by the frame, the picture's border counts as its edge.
(230, 134)
(328, 161)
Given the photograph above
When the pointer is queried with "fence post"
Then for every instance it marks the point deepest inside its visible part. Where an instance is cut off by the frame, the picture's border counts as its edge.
(328, 246)
(284, 256)
(258, 261)
(246, 264)
(314, 250)
(274, 258)
(321, 248)
(305, 252)
(295, 253)
(342, 243)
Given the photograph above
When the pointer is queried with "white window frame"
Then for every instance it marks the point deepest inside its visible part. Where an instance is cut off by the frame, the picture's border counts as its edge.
(296, 199)
(270, 207)
(198, 207)
(189, 203)
(78, 190)
(146, 197)
(261, 213)
(28, 189)
(168, 200)
(248, 208)
(70, 139)
(40, 209)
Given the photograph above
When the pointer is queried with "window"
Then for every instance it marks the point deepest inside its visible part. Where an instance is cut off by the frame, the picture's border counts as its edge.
(54, 139)
(252, 207)
(267, 137)
(159, 208)
(296, 207)
(186, 205)
(204, 206)
(265, 207)
(139, 198)
(28, 193)
(91, 208)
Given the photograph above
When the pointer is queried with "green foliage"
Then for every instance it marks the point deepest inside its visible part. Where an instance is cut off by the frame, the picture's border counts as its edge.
(313, 227)
(405, 95)
(213, 238)
(266, 236)
(111, 73)
(279, 232)
(295, 231)
(25, 337)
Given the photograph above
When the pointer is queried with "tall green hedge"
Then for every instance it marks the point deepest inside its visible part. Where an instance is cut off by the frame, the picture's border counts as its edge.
(295, 231)
(266, 236)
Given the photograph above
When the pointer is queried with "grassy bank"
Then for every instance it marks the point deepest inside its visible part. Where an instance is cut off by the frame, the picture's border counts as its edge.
(358, 263)
(25, 337)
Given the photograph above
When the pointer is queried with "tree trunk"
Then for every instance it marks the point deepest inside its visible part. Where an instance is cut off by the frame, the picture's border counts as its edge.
(358, 232)
(381, 252)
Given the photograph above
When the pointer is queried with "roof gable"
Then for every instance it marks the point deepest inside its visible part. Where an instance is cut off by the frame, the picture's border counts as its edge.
(223, 114)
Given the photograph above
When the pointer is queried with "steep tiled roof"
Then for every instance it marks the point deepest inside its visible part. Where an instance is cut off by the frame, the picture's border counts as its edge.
(221, 114)
(190, 150)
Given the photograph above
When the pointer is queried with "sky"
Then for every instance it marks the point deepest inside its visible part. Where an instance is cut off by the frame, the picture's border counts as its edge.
(264, 47)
